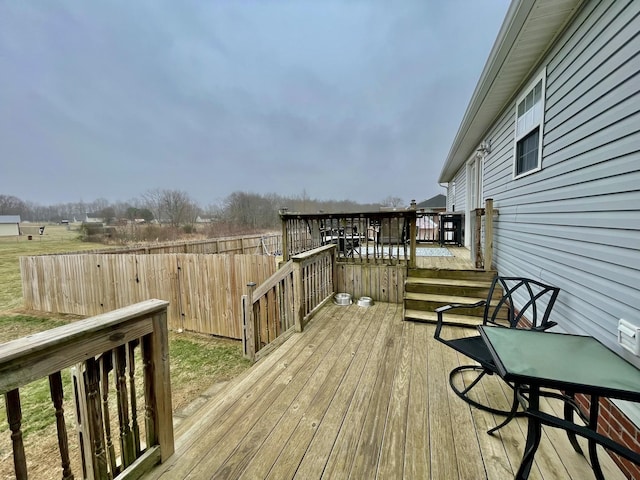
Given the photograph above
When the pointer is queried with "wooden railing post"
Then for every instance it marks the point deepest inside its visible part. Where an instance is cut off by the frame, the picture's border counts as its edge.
(298, 296)
(14, 418)
(488, 234)
(57, 397)
(412, 236)
(249, 322)
(162, 384)
(477, 237)
(285, 237)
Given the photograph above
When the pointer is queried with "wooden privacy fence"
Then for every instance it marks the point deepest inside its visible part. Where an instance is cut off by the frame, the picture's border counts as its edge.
(105, 347)
(286, 301)
(262, 244)
(202, 290)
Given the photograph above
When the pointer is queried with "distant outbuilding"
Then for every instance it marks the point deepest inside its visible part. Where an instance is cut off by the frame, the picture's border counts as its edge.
(434, 204)
(9, 225)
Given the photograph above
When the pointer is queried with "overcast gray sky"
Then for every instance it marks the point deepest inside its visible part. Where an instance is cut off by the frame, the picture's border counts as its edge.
(350, 99)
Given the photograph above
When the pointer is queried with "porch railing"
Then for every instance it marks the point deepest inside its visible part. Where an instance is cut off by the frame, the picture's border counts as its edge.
(103, 349)
(382, 237)
(482, 228)
(287, 300)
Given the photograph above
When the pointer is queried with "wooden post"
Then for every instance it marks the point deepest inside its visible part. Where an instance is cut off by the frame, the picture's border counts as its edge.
(162, 384)
(95, 420)
(106, 365)
(488, 234)
(250, 327)
(298, 296)
(55, 387)
(285, 239)
(477, 237)
(412, 236)
(14, 418)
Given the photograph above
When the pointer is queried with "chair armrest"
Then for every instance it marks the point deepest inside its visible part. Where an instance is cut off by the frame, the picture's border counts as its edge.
(451, 306)
(546, 326)
(444, 308)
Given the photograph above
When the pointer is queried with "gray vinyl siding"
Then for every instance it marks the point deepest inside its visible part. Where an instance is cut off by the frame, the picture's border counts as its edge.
(458, 202)
(576, 223)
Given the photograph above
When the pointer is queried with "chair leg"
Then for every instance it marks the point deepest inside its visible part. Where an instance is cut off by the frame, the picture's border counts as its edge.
(463, 393)
(513, 413)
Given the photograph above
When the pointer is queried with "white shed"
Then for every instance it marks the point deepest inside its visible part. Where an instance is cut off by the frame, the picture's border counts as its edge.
(9, 225)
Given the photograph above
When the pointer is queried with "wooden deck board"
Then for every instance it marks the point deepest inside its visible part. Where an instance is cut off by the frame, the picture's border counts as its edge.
(361, 394)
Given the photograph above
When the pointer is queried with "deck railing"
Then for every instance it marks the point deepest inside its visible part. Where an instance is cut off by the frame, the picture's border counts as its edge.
(383, 237)
(103, 350)
(482, 245)
(287, 300)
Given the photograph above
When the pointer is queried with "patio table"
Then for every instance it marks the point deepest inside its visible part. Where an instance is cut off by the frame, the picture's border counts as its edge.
(570, 363)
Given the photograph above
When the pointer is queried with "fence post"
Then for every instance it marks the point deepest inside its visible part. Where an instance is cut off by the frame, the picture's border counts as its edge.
(249, 331)
(488, 233)
(412, 236)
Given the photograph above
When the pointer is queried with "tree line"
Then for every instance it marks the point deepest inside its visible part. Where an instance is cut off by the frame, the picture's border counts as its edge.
(177, 208)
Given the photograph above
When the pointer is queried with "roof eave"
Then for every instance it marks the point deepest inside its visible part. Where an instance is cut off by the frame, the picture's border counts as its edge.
(474, 123)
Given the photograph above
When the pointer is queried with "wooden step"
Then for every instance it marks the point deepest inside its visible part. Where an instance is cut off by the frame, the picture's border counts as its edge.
(449, 319)
(442, 299)
(446, 286)
(452, 274)
(429, 302)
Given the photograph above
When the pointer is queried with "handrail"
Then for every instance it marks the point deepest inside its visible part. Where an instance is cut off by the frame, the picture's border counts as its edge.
(380, 237)
(102, 347)
(286, 300)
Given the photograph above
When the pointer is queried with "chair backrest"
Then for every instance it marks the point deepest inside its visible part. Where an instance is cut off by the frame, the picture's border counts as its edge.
(512, 299)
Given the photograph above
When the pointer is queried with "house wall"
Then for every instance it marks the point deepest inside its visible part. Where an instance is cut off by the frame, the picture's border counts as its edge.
(456, 201)
(576, 223)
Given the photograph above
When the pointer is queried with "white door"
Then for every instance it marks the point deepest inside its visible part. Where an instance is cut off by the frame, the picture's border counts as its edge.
(475, 168)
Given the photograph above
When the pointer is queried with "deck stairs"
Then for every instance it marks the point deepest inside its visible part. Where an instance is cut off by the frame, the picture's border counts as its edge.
(427, 289)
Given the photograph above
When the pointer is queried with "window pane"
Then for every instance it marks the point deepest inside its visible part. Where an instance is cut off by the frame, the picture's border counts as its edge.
(537, 92)
(527, 152)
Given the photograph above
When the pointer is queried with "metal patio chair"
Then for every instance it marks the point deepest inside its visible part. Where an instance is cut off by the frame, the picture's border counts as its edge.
(537, 300)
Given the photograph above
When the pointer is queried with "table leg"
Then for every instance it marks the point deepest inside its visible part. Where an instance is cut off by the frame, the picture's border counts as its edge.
(593, 425)
(534, 433)
(568, 416)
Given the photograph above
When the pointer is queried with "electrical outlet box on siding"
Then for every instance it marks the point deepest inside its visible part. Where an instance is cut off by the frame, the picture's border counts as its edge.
(629, 336)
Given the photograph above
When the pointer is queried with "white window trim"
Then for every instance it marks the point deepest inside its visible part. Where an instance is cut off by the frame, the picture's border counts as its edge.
(541, 76)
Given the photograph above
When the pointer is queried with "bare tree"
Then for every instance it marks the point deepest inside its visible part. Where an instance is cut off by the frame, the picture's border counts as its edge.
(391, 201)
(174, 206)
(152, 200)
(178, 207)
(10, 205)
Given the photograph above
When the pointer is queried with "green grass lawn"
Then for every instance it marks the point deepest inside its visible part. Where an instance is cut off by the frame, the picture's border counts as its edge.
(56, 239)
(197, 361)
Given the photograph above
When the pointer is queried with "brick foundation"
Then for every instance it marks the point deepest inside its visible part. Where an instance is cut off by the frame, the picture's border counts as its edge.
(615, 425)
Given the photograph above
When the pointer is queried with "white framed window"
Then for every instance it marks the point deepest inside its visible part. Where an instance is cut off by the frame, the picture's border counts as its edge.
(529, 123)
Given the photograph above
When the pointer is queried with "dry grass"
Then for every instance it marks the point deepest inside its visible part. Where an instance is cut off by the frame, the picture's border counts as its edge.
(197, 361)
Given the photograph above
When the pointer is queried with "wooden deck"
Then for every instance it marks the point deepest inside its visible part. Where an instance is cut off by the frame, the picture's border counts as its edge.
(360, 394)
(459, 260)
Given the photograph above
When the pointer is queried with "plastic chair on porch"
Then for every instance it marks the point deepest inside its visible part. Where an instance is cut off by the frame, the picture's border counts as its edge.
(537, 300)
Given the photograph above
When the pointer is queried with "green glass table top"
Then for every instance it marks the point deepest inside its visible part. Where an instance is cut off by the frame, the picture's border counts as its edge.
(562, 359)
